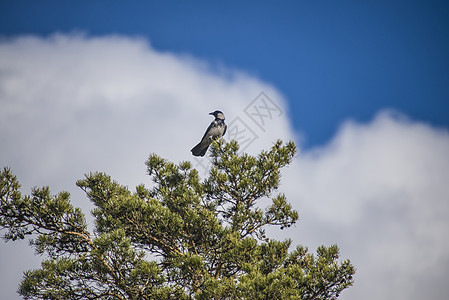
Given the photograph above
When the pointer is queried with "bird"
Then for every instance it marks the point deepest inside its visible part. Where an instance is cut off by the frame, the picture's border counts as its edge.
(215, 130)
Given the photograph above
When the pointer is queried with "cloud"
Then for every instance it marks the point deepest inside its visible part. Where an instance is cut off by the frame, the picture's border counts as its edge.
(72, 104)
(111, 101)
(380, 191)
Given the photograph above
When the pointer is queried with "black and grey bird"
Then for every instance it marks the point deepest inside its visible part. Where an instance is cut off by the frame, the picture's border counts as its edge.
(215, 130)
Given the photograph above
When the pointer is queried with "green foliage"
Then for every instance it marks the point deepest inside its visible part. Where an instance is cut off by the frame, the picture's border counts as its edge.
(183, 238)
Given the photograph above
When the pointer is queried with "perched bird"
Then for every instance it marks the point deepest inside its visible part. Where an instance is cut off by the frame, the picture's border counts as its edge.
(215, 130)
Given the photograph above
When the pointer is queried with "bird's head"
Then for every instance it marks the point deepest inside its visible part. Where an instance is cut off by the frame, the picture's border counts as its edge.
(218, 115)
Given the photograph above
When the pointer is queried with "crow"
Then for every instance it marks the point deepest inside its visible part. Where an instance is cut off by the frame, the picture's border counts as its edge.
(215, 130)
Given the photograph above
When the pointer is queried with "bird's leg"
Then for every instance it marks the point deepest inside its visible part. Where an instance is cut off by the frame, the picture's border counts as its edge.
(219, 141)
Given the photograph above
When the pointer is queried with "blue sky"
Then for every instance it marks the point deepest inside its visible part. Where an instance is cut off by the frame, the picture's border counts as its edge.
(361, 86)
(332, 60)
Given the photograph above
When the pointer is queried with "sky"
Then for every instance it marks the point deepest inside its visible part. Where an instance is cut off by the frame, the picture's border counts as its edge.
(361, 87)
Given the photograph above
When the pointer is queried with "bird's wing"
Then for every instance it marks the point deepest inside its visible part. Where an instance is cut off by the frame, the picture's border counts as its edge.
(213, 124)
(225, 127)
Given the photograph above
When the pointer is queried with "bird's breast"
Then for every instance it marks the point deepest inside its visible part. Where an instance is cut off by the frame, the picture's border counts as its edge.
(216, 130)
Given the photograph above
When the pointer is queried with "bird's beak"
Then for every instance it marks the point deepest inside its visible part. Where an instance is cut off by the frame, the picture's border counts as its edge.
(211, 113)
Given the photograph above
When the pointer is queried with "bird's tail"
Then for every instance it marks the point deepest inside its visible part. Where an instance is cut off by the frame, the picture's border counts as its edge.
(199, 150)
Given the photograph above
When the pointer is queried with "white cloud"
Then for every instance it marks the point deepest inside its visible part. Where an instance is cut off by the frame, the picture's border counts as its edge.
(72, 104)
(380, 192)
(110, 101)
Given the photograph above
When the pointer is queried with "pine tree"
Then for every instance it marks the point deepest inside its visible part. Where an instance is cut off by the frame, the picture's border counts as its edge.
(182, 238)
